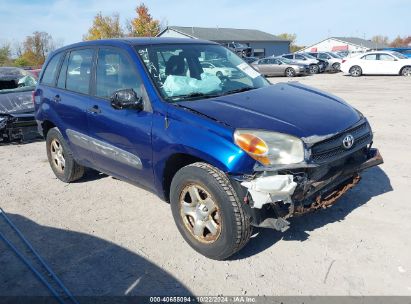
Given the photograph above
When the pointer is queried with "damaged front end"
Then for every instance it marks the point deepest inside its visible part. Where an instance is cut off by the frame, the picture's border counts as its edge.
(18, 127)
(274, 194)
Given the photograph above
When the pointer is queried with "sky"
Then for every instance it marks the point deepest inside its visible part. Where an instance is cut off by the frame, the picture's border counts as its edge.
(311, 20)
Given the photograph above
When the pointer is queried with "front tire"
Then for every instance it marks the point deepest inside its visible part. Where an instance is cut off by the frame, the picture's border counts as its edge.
(61, 158)
(355, 71)
(207, 211)
(335, 67)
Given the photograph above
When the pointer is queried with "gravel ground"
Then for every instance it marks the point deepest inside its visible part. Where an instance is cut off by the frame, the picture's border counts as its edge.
(103, 236)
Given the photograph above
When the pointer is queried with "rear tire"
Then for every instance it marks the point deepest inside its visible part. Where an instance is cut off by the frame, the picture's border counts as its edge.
(355, 71)
(290, 72)
(406, 71)
(61, 158)
(219, 74)
(202, 196)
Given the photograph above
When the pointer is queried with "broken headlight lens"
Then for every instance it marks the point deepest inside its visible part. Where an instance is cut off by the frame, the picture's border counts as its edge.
(270, 148)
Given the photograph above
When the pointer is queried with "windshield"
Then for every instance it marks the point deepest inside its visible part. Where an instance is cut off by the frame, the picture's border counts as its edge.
(16, 79)
(399, 55)
(192, 71)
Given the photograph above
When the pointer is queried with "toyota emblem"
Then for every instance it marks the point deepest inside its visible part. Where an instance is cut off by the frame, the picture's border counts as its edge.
(348, 141)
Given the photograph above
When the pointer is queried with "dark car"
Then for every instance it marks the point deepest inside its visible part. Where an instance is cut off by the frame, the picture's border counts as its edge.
(240, 49)
(228, 153)
(17, 121)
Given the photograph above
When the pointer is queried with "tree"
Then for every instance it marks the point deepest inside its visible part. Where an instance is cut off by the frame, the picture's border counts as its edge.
(401, 42)
(5, 53)
(292, 38)
(380, 39)
(105, 27)
(36, 48)
(143, 25)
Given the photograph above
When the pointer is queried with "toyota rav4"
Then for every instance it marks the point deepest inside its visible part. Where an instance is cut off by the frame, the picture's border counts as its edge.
(228, 153)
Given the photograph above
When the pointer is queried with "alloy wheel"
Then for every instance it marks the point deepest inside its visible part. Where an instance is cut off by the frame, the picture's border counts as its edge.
(200, 213)
(406, 71)
(57, 155)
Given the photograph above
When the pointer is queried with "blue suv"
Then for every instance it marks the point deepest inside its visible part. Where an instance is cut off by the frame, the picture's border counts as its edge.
(227, 149)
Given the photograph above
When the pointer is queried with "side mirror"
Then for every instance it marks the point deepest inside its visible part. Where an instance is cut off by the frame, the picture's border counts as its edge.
(126, 99)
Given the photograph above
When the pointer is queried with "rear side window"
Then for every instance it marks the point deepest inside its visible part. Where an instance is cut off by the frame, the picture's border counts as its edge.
(115, 72)
(50, 73)
(370, 57)
(288, 56)
(61, 82)
(79, 70)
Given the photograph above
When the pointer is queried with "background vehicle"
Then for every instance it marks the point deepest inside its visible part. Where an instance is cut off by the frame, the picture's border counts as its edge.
(377, 63)
(280, 67)
(406, 51)
(334, 61)
(240, 49)
(16, 105)
(305, 59)
(227, 153)
(250, 59)
(218, 69)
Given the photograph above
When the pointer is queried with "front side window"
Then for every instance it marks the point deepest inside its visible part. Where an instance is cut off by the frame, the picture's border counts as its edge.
(179, 73)
(50, 73)
(79, 70)
(299, 57)
(288, 56)
(324, 56)
(115, 72)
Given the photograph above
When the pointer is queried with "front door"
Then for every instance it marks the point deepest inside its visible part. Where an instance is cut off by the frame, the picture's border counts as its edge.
(121, 138)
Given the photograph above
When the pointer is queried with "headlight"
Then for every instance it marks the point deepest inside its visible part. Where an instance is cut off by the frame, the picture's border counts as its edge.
(270, 148)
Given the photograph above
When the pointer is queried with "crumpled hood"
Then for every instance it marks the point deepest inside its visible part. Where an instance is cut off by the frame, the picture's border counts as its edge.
(16, 102)
(290, 108)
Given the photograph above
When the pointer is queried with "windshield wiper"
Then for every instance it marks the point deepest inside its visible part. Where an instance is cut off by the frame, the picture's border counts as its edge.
(192, 95)
(238, 90)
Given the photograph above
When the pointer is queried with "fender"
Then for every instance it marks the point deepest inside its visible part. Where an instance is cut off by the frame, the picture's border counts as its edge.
(182, 131)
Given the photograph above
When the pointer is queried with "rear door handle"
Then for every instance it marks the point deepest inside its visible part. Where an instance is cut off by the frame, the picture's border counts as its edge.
(94, 110)
(57, 98)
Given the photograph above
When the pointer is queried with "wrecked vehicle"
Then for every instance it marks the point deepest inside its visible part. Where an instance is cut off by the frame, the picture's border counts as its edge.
(229, 154)
(17, 122)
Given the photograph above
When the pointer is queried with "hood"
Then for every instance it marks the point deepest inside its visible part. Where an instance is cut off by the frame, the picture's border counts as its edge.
(16, 102)
(290, 108)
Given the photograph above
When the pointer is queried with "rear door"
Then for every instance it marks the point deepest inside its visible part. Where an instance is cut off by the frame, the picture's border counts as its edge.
(68, 97)
(121, 139)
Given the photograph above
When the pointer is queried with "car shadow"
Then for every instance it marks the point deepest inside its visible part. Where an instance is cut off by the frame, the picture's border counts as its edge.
(90, 175)
(374, 182)
(87, 266)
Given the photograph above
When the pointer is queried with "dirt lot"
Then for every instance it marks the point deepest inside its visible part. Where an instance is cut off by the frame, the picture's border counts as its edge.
(106, 237)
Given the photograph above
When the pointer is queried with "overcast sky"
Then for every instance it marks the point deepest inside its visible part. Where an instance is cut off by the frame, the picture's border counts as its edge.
(311, 20)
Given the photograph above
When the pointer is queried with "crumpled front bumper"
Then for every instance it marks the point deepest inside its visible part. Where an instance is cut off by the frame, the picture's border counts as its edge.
(18, 127)
(275, 198)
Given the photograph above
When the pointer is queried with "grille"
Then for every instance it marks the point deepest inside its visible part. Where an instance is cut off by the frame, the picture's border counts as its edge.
(332, 148)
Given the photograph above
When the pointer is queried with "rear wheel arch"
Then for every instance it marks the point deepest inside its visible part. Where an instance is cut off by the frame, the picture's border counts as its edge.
(404, 67)
(47, 126)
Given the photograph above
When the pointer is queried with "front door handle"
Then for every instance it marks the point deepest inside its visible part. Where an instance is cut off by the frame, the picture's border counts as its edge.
(94, 110)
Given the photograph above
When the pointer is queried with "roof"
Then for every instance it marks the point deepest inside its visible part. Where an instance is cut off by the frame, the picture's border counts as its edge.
(361, 42)
(224, 34)
(135, 41)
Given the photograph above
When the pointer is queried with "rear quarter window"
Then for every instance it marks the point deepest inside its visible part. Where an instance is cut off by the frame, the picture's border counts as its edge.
(51, 70)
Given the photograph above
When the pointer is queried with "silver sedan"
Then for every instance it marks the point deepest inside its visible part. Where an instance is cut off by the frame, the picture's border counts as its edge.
(280, 67)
